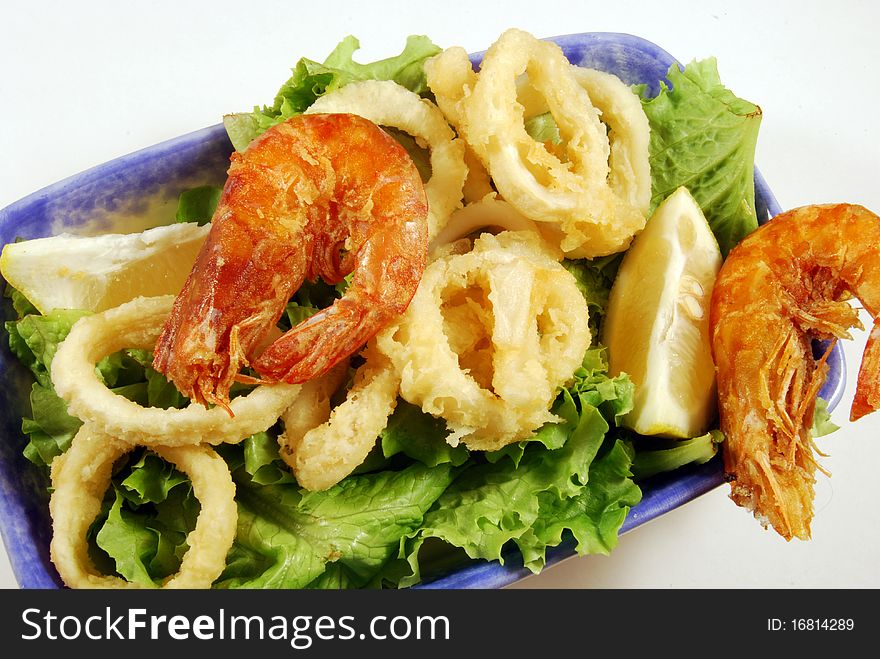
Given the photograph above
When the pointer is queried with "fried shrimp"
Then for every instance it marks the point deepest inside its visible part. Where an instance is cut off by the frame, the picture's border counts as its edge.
(389, 104)
(783, 286)
(323, 195)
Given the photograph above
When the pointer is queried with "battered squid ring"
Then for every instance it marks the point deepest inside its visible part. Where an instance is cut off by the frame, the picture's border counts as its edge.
(81, 476)
(539, 334)
(478, 183)
(575, 195)
(487, 212)
(137, 324)
(628, 131)
(629, 134)
(388, 104)
(452, 79)
(323, 447)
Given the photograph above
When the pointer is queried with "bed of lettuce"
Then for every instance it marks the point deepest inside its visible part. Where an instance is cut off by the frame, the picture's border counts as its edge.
(417, 505)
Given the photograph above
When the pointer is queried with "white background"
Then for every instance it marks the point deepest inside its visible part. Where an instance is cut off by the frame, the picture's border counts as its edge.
(84, 82)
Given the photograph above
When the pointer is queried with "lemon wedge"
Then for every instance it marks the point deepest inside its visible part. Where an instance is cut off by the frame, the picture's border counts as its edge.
(657, 324)
(101, 272)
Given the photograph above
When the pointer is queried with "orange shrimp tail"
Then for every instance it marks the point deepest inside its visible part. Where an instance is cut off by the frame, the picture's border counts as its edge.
(319, 343)
(867, 396)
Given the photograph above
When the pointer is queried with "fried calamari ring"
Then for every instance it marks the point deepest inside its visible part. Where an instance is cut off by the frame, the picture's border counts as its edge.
(488, 212)
(478, 183)
(489, 338)
(628, 129)
(452, 79)
(595, 221)
(388, 104)
(323, 447)
(81, 476)
(137, 324)
(628, 132)
(308, 410)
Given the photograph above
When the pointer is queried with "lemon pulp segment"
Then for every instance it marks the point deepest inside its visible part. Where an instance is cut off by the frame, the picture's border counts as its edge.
(657, 324)
(101, 272)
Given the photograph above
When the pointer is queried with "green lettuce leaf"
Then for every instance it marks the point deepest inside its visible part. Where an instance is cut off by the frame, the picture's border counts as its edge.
(335, 577)
(261, 460)
(129, 541)
(703, 137)
(543, 128)
(34, 339)
(151, 479)
(419, 436)
(591, 386)
(594, 278)
(51, 429)
(822, 423)
(530, 499)
(198, 204)
(144, 528)
(594, 516)
(406, 69)
(287, 537)
(492, 503)
(311, 80)
(656, 455)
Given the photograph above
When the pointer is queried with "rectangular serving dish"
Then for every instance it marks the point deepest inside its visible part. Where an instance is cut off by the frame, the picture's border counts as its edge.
(138, 190)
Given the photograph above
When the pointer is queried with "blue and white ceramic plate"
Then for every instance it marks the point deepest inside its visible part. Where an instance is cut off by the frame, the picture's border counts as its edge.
(139, 189)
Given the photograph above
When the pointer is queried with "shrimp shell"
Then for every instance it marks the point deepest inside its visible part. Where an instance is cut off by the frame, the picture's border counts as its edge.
(323, 195)
(783, 286)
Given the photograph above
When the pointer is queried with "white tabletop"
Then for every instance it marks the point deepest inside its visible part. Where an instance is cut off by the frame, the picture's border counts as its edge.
(85, 82)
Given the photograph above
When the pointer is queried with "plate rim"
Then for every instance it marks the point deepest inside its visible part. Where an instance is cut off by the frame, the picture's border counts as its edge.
(31, 567)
